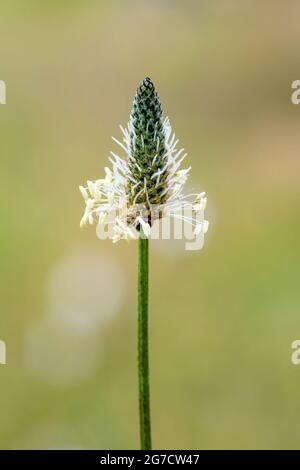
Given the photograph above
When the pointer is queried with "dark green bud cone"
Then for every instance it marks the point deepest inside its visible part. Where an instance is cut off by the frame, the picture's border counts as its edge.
(148, 148)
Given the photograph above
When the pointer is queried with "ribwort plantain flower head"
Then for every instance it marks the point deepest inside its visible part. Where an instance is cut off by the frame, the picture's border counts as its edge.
(148, 183)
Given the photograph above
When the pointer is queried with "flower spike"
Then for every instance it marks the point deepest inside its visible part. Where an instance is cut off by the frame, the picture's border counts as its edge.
(148, 183)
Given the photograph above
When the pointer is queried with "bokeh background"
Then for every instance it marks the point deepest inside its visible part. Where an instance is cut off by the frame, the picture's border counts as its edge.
(222, 320)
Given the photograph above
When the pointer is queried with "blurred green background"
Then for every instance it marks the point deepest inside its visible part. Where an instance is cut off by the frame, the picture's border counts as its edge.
(222, 319)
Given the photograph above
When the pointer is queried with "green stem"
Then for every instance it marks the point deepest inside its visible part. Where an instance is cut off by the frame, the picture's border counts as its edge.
(143, 362)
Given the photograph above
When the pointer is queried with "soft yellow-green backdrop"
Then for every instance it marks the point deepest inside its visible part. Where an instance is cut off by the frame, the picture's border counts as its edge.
(222, 320)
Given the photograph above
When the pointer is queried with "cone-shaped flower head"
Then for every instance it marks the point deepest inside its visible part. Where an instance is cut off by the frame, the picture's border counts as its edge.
(148, 183)
(147, 147)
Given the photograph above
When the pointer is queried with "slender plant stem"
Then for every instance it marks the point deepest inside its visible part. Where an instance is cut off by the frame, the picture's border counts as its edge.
(143, 361)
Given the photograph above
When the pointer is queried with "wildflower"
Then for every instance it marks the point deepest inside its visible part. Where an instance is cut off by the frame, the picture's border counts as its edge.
(148, 183)
(137, 190)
